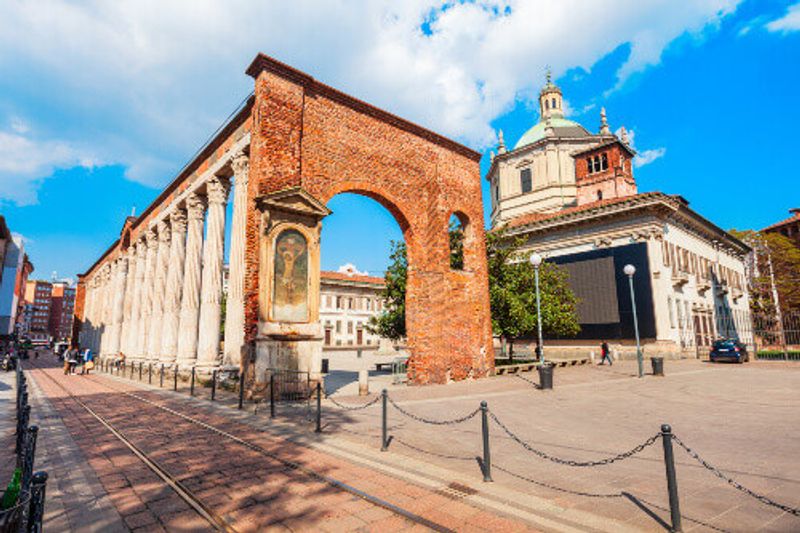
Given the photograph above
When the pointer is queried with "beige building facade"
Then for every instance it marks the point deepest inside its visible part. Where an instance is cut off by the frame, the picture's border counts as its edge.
(573, 196)
(348, 300)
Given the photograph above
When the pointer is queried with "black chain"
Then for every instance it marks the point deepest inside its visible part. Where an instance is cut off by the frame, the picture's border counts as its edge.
(429, 452)
(735, 484)
(434, 422)
(569, 462)
(354, 407)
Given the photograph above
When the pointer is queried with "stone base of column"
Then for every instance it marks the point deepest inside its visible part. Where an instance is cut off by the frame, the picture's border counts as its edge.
(301, 351)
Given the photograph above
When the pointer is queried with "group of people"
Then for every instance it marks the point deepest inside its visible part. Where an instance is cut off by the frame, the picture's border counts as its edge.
(74, 358)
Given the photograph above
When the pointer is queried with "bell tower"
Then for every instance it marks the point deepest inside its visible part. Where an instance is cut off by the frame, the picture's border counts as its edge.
(550, 100)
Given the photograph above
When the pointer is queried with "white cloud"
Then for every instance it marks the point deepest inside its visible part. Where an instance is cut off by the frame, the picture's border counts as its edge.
(143, 82)
(646, 157)
(25, 161)
(788, 23)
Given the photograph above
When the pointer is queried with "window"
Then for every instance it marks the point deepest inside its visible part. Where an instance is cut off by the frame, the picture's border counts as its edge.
(604, 162)
(554, 103)
(546, 104)
(596, 160)
(589, 165)
(525, 180)
(599, 195)
(671, 312)
(350, 327)
(338, 326)
(456, 231)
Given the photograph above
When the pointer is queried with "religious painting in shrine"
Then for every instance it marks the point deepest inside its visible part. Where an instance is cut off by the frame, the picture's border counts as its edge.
(290, 285)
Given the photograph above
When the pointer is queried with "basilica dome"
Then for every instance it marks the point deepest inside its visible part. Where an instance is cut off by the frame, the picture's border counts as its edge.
(562, 127)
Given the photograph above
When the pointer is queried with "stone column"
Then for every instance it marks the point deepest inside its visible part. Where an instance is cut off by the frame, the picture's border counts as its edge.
(234, 305)
(117, 306)
(104, 308)
(147, 293)
(172, 295)
(136, 304)
(127, 305)
(190, 297)
(88, 316)
(159, 286)
(211, 295)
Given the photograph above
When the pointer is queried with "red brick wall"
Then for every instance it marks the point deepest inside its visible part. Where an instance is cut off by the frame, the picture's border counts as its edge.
(310, 135)
(80, 303)
(616, 181)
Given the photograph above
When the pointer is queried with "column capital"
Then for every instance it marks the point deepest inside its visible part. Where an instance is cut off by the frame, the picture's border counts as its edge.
(240, 164)
(217, 189)
(177, 221)
(195, 206)
(151, 239)
(163, 231)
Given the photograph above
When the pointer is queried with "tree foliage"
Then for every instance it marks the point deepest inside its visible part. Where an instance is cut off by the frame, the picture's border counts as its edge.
(512, 293)
(784, 256)
(391, 323)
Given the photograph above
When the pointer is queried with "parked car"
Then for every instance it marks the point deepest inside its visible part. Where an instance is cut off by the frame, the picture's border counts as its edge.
(729, 350)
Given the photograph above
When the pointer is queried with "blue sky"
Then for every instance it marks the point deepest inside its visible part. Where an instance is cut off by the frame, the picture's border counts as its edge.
(101, 104)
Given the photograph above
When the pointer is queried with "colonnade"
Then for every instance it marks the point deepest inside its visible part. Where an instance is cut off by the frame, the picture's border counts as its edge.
(160, 299)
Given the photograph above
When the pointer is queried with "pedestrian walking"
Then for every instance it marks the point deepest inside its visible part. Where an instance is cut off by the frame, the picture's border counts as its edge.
(606, 354)
(88, 361)
(72, 360)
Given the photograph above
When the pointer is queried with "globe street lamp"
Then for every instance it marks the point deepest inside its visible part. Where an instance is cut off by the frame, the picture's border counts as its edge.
(536, 261)
(629, 271)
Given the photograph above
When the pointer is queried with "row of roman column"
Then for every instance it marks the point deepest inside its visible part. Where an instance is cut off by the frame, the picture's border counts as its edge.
(160, 300)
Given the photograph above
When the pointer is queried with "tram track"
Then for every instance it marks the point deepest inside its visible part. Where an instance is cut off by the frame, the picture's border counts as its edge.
(196, 503)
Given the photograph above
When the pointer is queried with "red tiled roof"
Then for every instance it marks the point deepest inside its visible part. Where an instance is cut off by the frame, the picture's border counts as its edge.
(327, 274)
(794, 218)
(530, 218)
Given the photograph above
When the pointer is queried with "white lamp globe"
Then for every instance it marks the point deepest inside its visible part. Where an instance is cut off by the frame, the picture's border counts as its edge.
(629, 270)
(535, 260)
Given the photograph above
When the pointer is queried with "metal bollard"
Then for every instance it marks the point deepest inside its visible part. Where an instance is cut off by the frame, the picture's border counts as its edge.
(149, 373)
(28, 456)
(175, 379)
(213, 385)
(132, 369)
(672, 480)
(36, 509)
(384, 425)
(241, 389)
(161, 377)
(319, 408)
(487, 457)
(140, 371)
(272, 395)
(191, 384)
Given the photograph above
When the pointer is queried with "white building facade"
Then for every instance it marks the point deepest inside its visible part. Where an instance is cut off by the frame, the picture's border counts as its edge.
(573, 196)
(347, 302)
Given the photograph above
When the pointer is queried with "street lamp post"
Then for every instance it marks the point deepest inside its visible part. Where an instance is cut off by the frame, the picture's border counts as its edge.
(630, 270)
(536, 261)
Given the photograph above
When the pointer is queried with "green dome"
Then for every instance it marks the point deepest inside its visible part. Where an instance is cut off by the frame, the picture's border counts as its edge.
(561, 126)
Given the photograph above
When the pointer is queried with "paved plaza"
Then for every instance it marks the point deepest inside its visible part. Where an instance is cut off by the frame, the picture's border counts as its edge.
(743, 419)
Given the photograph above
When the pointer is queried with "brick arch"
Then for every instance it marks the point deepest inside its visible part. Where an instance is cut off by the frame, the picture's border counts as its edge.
(310, 136)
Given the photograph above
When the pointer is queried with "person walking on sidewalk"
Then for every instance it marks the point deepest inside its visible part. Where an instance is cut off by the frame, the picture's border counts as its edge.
(606, 354)
(88, 361)
(72, 360)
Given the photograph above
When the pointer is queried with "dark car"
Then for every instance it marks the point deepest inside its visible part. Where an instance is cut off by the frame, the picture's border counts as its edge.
(728, 350)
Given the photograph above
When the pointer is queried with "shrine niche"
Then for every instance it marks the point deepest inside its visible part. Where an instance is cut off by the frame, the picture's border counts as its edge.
(290, 286)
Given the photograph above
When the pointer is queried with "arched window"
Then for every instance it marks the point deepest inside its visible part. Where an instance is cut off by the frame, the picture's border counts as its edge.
(605, 161)
(525, 180)
(457, 228)
(554, 103)
(546, 104)
(599, 195)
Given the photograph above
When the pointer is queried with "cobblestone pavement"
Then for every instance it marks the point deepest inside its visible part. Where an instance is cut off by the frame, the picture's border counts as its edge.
(248, 489)
(744, 419)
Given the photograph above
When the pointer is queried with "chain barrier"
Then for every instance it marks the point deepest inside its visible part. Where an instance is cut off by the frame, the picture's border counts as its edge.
(355, 407)
(569, 462)
(735, 484)
(429, 452)
(454, 421)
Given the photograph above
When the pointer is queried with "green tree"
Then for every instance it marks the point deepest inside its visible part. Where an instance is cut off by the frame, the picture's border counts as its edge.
(783, 256)
(391, 323)
(512, 293)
